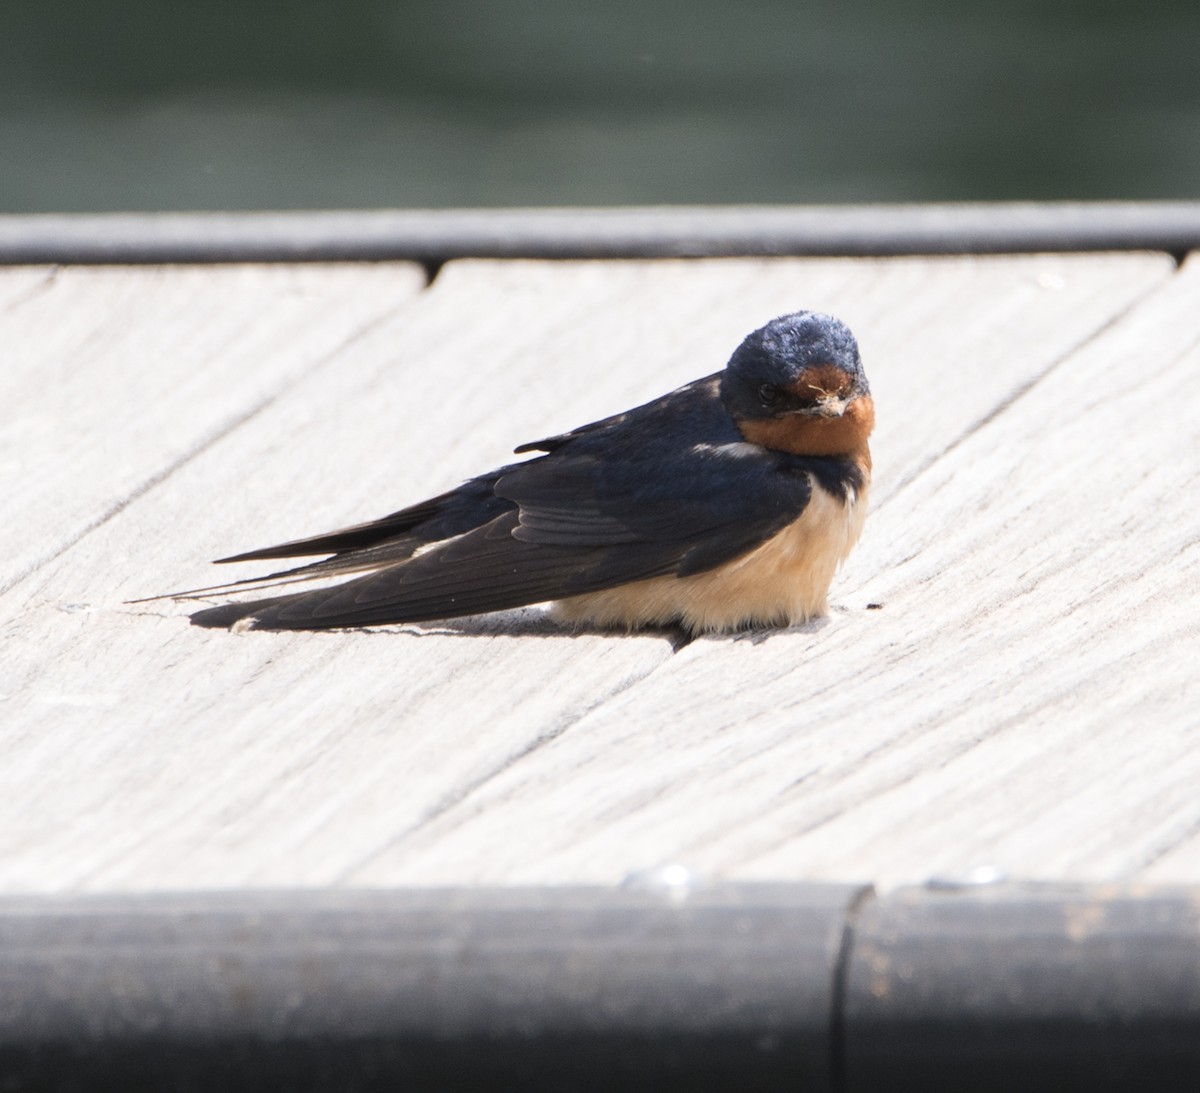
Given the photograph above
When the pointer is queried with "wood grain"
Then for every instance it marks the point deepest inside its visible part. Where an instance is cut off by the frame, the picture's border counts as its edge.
(1025, 699)
(112, 376)
(139, 752)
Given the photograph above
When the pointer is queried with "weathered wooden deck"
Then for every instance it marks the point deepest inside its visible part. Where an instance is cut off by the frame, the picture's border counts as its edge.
(1026, 697)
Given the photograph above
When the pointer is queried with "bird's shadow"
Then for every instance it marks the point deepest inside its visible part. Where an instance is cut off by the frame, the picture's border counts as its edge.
(534, 622)
(527, 623)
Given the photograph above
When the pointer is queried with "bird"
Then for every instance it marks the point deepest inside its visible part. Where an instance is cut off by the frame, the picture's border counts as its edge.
(727, 504)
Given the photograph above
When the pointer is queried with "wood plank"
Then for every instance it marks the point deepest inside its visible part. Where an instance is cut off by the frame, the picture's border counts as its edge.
(501, 352)
(15, 285)
(139, 752)
(118, 374)
(1025, 699)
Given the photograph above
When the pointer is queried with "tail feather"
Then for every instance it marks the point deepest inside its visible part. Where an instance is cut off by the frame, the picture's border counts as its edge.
(363, 548)
(357, 537)
(226, 614)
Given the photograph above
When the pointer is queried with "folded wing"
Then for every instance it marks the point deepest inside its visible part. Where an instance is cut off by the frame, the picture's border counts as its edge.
(556, 526)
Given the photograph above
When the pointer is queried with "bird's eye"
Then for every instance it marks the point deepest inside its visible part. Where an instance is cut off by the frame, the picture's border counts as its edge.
(768, 393)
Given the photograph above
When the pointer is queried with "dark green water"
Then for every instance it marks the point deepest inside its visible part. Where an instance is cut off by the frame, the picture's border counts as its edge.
(311, 103)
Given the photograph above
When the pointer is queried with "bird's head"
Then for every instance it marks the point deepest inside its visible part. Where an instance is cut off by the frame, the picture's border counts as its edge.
(797, 385)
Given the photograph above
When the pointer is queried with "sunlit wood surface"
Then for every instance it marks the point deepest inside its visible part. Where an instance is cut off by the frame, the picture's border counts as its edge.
(1025, 694)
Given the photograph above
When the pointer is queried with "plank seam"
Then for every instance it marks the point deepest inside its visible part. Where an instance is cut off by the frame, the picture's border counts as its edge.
(139, 490)
(1187, 835)
(463, 793)
(181, 461)
(1016, 396)
(34, 291)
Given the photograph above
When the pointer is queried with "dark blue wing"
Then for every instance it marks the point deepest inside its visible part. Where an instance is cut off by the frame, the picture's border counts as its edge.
(692, 510)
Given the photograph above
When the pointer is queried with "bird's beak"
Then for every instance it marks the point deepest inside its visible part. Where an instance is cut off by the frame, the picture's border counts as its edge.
(832, 407)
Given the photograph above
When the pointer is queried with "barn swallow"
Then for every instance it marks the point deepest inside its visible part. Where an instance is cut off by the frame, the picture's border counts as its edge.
(727, 503)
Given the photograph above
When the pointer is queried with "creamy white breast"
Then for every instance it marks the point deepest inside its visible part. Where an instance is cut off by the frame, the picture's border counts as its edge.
(780, 583)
